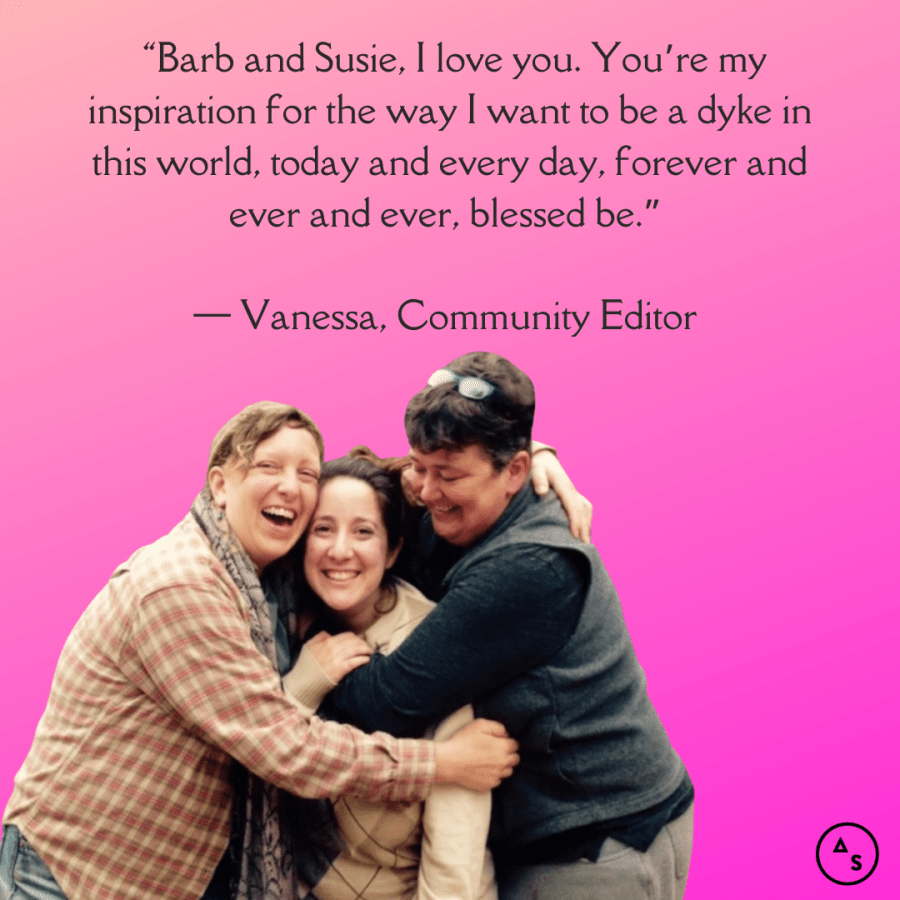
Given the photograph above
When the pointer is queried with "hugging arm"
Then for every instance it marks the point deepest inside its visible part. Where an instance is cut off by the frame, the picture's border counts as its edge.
(190, 651)
(496, 622)
(547, 474)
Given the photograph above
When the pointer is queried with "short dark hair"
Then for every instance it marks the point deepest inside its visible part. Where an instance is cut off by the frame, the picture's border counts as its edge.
(441, 418)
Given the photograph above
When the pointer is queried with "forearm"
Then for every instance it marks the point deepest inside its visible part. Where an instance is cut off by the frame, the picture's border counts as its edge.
(333, 760)
(307, 682)
(487, 630)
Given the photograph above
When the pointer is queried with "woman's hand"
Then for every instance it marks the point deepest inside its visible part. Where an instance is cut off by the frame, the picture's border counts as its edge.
(477, 757)
(547, 473)
(339, 654)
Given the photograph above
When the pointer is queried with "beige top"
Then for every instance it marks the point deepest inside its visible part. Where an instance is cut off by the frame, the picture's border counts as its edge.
(436, 850)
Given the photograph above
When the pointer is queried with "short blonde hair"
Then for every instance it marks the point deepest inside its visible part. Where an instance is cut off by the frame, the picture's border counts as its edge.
(241, 435)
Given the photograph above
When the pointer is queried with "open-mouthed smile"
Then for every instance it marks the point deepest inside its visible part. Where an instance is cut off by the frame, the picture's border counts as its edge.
(340, 575)
(279, 515)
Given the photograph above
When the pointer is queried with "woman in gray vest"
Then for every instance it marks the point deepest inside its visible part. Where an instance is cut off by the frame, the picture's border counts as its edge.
(530, 630)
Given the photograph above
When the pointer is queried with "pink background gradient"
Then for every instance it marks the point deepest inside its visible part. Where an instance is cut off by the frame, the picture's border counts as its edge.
(744, 473)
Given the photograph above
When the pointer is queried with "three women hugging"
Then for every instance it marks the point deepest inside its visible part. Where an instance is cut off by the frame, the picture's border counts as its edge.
(183, 755)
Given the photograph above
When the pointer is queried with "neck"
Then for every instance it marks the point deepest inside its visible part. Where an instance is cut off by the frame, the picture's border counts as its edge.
(360, 620)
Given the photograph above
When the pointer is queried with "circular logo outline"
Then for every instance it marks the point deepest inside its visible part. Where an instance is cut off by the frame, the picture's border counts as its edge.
(861, 828)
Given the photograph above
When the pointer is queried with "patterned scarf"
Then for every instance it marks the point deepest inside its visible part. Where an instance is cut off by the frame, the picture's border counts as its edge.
(281, 845)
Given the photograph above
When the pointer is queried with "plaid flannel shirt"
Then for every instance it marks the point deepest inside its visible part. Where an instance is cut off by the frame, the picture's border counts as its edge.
(126, 792)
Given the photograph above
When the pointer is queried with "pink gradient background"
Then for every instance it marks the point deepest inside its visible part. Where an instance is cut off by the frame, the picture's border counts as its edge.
(743, 473)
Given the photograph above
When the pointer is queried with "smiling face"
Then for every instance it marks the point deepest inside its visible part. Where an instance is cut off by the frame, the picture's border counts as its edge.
(347, 550)
(463, 491)
(268, 503)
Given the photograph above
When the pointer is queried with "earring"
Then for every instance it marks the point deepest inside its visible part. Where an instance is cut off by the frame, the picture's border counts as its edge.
(220, 514)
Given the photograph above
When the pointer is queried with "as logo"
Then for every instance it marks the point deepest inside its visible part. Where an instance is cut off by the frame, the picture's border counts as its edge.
(847, 853)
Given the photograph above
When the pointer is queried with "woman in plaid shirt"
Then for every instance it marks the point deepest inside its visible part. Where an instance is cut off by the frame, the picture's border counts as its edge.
(173, 672)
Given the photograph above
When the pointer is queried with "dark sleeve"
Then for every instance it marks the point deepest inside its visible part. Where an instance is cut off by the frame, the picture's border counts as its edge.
(503, 616)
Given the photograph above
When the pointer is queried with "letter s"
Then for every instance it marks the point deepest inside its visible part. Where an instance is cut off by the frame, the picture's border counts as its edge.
(857, 865)
(400, 315)
(324, 56)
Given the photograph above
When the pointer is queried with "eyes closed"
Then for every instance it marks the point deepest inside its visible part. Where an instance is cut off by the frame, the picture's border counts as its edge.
(440, 475)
